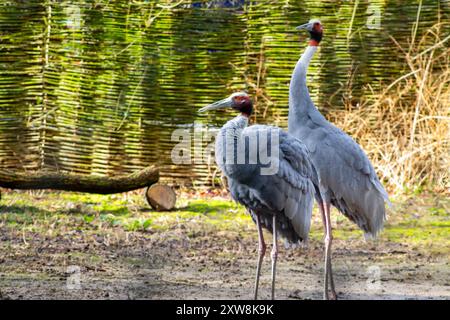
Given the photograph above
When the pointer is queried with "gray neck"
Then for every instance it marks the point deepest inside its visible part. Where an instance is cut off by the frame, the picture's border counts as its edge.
(228, 139)
(299, 100)
(239, 122)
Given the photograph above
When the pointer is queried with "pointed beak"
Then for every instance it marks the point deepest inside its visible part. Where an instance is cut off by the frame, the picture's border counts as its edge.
(222, 104)
(303, 26)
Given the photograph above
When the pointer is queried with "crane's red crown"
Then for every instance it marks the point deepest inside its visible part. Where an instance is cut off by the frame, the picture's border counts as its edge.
(315, 32)
(242, 102)
(315, 29)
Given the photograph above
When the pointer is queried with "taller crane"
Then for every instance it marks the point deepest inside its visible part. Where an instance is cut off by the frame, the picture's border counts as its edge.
(347, 179)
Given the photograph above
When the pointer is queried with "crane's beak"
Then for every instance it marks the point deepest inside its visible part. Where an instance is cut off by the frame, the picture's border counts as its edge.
(222, 104)
(306, 26)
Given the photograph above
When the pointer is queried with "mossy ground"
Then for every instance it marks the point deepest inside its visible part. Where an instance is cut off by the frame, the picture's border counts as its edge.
(126, 250)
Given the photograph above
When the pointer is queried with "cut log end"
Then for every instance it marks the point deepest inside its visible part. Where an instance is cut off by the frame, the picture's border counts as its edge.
(161, 197)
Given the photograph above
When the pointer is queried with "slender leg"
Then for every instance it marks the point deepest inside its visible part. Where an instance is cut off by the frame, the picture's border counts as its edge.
(330, 278)
(322, 212)
(274, 254)
(261, 252)
(325, 280)
(328, 241)
(333, 290)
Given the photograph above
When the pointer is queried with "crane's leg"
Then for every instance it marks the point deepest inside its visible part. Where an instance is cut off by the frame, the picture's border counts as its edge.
(325, 209)
(324, 219)
(261, 252)
(274, 254)
(322, 212)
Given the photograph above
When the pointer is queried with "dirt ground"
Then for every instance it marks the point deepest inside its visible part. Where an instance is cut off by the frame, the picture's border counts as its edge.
(63, 246)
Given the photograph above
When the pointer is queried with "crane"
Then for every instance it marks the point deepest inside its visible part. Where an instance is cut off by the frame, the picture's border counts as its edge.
(347, 179)
(270, 173)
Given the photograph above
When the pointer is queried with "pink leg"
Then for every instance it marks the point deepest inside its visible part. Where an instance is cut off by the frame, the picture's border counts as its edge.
(274, 255)
(325, 210)
(322, 212)
(261, 252)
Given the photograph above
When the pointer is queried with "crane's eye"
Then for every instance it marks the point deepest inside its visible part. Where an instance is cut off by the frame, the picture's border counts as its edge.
(317, 26)
(240, 100)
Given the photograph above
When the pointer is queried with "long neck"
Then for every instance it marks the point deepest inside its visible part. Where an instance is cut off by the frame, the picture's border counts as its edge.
(238, 122)
(299, 100)
(228, 140)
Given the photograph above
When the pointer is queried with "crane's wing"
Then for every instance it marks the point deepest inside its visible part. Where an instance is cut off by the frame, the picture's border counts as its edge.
(356, 158)
(347, 172)
(298, 171)
(288, 189)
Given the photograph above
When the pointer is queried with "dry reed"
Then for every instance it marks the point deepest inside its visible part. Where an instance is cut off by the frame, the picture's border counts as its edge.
(404, 128)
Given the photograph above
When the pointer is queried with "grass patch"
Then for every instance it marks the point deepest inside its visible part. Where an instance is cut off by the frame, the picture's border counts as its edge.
(422, 222)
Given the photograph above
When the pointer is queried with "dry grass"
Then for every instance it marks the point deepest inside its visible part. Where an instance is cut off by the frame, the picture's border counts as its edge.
(405, 127)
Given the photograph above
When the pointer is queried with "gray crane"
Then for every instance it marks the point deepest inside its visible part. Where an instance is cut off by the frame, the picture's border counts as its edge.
(270, 173)
(347, 179)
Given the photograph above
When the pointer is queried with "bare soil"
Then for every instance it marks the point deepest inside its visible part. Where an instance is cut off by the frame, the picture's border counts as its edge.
(182, 263)
(214, 268)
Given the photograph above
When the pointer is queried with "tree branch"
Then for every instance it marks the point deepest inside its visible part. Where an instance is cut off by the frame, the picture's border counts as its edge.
(79, 183)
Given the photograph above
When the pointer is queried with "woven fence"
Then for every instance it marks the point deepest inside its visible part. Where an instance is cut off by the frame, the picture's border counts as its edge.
(98, 87)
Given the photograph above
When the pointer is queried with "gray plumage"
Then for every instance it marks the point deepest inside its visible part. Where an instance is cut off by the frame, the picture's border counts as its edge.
(288, 193)
(346, 176)
(270, 173)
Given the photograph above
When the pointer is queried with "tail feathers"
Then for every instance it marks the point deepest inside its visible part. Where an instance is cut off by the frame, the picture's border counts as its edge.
(369, 236)
(295, 245)
(383, 192)
(369, 210)
(301, 218)
(369, 215)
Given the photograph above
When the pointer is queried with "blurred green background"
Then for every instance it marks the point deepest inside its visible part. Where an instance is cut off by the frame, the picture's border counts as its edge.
(97, 87)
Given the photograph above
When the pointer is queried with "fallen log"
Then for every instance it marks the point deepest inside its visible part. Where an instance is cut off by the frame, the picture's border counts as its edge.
(79, 183)
(161, 197)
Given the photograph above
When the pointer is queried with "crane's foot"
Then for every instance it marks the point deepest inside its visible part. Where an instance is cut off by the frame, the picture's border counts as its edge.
(333, 296)
(330, 295)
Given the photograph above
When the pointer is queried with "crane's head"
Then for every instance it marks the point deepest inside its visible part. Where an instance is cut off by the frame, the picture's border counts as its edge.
(239, 101)
(315, 29)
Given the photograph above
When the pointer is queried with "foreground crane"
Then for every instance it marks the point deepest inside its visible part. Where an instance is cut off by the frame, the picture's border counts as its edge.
(270, 173)
(347, 179)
